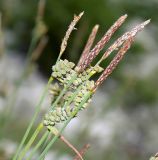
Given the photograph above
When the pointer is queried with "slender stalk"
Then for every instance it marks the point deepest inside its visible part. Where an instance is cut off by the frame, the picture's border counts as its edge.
(82, 151)
(41, 141)
(67, 143)
(38, 107)
(46, 141)
(65, 124)
(33, 137)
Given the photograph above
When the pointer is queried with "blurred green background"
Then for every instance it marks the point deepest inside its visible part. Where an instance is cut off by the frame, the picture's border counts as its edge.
(122, 122)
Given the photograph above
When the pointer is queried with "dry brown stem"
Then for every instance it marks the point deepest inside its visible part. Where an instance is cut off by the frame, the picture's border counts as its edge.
(82, 151)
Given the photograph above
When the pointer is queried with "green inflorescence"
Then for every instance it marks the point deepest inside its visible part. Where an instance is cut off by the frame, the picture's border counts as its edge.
(67, 106)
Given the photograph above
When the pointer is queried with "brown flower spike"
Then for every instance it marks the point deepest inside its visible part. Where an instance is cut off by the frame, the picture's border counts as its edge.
(123, 38)
(126, 40)
(113, 63)
(99, 46)
(88, 44)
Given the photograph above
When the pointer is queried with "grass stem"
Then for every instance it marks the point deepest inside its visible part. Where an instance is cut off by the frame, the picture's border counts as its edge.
(41, 141)
(28, 145)
(37, 110)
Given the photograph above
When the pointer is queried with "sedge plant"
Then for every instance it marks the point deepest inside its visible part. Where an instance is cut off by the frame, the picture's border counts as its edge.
(74, 88)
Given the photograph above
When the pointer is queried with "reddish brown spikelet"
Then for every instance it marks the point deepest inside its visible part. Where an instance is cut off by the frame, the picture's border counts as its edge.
(88, 44)
(113, 63)
(124, 37)
(99, 46)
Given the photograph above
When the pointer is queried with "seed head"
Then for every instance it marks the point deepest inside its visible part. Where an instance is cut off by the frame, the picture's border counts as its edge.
(68, 32)
(113, 63)
(88, 44)
(99, 46)
(123, 38)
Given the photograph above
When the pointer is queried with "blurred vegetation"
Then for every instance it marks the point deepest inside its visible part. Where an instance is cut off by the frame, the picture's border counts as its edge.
(19, 16)
(127, 90)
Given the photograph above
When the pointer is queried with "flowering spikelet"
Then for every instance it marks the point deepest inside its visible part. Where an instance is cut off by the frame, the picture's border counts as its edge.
(63, 71)
(113, 63)
(88, 44)
(60, 114)
(123, 38)
(99, 46)
(68, 32)
(72, 100)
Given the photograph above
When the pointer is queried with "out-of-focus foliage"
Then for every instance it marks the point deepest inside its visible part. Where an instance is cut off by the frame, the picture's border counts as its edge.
(132, 87)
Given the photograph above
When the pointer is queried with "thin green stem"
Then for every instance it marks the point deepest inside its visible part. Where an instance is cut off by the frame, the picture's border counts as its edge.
(67, 103)
(28, 145)
(65, 124)
(47, 140)
(58, 58)
(98, 63)
(37, 109)
(41, 141)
